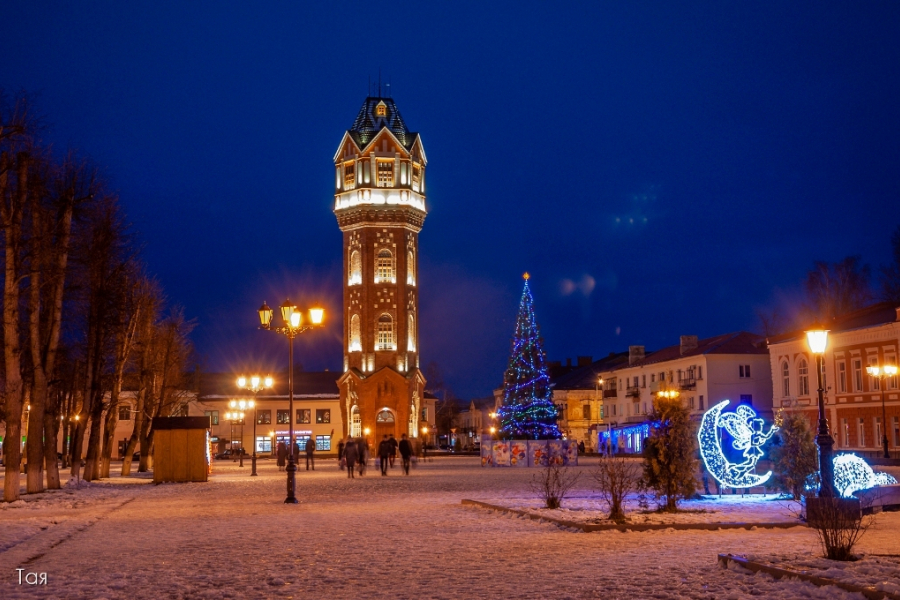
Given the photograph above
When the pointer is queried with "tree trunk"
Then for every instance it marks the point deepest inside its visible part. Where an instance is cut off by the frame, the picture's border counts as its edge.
(135, 435)
(51, 435)
(12, 222)
(109, 436)
(78, 444)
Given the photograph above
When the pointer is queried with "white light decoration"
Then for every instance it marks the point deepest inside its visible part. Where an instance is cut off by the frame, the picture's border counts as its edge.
(748, 433)
(852, 474)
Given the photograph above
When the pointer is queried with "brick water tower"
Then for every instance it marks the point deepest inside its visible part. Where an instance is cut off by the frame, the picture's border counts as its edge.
(379, 202)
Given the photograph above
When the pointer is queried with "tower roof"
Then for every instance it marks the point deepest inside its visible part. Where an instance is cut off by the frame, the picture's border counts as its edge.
(370, 121)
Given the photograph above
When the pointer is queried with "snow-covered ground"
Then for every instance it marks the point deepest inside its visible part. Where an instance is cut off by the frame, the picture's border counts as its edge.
(371, 537)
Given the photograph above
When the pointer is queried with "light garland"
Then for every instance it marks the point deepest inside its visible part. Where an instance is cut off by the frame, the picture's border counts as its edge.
(748, 433)
(528, 410)
(852, 474)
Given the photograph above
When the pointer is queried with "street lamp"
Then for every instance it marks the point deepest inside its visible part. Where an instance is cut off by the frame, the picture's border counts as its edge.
(254, 384)
(882, 373)
(293, 326)
(244, 405)
(233, 417)
(818, 340)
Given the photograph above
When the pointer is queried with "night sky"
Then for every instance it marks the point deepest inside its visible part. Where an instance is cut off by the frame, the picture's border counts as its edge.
(659, 168)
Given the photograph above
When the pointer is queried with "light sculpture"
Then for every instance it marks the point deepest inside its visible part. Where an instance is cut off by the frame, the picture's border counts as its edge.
(748, 435)
(852, 474)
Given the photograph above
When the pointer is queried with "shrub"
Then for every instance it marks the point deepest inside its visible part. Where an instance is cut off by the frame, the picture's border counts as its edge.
(793, 453)
(616, 477)
(553, 482)
(670, 459)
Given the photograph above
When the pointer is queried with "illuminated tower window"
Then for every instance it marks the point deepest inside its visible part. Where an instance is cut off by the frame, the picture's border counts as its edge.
(355, 342)
(410, 268)
(413, 428)
(349, 176)
(355, 275)
(385, 333)
(355, 422)
(384, 267)
(385, 173)
(412, 334)
(416, 175)
(381, 110)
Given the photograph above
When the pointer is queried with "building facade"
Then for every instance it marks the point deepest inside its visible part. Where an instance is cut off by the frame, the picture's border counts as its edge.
(853, 398)
(733, 366)
(379, 202)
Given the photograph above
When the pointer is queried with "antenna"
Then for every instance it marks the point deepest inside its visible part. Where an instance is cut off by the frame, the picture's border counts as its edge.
(379, 82)
(390, 92)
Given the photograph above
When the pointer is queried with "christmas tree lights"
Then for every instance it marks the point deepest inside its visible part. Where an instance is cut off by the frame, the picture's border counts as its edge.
(528, 411)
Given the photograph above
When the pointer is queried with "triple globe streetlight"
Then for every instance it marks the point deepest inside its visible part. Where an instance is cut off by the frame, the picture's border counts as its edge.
(293, 326)
(254, 384)
(882, 373)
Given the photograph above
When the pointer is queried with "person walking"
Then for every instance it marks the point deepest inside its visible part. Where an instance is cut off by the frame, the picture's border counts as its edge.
(341, 454)
(362, 450)
(282, 456)
(393, 449)
(384, 453)
(351, 455)
(405, 452)
(310, 449)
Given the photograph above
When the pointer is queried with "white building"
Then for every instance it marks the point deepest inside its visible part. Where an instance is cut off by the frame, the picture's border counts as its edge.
(732, 366)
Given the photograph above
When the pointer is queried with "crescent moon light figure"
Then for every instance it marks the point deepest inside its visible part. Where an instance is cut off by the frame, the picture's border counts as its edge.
(747, 430)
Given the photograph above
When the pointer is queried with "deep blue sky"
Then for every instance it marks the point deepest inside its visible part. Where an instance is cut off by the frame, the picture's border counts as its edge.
(660, 168)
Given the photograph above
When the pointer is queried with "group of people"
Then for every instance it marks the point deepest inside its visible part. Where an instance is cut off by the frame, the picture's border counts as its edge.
(282, 451)
(354, 454)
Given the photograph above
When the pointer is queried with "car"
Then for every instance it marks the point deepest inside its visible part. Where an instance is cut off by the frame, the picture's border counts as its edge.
(229, 453)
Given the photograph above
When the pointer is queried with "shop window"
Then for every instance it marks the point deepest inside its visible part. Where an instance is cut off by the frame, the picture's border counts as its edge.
(303, 415)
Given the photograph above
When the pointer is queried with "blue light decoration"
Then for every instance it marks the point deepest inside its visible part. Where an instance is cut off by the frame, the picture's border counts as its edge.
(528, 411)
(748, 434)
(624, 432)
(852, 474)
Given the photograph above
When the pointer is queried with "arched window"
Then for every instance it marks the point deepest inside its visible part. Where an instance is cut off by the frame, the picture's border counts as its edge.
(355, 422)
(413, 427)
(411, 346)
(385, 338)
(354, 277)
(355, 341)
(385, 416)
(785, 380)
(803, 370)
(384, 267)
(410, 268)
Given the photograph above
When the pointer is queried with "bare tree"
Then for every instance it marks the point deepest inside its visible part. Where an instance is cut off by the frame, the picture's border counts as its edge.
(838, 288)
(890, 274)
(616, 477)
(553, 482)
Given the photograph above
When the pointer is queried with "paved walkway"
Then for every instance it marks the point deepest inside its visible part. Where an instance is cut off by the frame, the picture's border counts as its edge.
(371, 537)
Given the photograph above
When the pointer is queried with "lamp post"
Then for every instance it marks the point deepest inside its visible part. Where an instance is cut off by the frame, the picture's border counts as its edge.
(882, 373)
(818, 340)
(233, 417)
(245, 405)
(293, 326)
(255, 384)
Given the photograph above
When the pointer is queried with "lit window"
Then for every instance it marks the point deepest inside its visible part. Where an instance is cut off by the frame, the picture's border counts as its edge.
(857, 374)
(385, 333)
(355, 341)
(385, 416)
(381, 110)
(213, 416)
(412, 334)
(842, 376)
(283, 417)
(323, 415)
(355, 422)
(349, 176)
(264, 417)
(416, 176)
(785, 380)
(355, 274)
(410, 268)
(302, 415)
(385, 173)
(384, 267)
(803, 371)
(323, 442)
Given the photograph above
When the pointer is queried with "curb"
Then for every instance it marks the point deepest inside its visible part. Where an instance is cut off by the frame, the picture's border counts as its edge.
(869, 592)
(589, 527)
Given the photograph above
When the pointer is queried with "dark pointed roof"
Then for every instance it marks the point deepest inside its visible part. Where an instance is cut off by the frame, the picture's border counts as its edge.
(585, 378)
(367, 123)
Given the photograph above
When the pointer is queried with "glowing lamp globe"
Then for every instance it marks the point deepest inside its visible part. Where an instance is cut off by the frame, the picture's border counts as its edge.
(265, 315)
(817, 340)
(316, 315)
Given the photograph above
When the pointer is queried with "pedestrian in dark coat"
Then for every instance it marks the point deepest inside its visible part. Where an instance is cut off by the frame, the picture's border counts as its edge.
(341, 454)
(351, 454)
(393, 449)
(362, 450)
(282, 455)
(384, 452)
(310, 449)
(405, 452)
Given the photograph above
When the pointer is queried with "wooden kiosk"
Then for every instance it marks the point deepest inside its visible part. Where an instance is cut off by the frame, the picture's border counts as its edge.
(181, 449)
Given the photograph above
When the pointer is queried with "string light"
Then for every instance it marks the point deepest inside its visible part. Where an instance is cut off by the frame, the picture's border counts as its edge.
(852, 474)
(528, 410)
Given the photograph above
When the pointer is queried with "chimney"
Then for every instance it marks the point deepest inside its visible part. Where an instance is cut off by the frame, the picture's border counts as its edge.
(584, 361)
(688, 343)
(635, 354)
(898, 313)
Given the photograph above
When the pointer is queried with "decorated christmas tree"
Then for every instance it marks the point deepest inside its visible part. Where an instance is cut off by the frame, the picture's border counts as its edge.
(528, 411)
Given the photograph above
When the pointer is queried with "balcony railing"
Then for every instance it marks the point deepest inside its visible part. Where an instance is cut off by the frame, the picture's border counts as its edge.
(610, 393)
(687, 384)
(633, 392)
